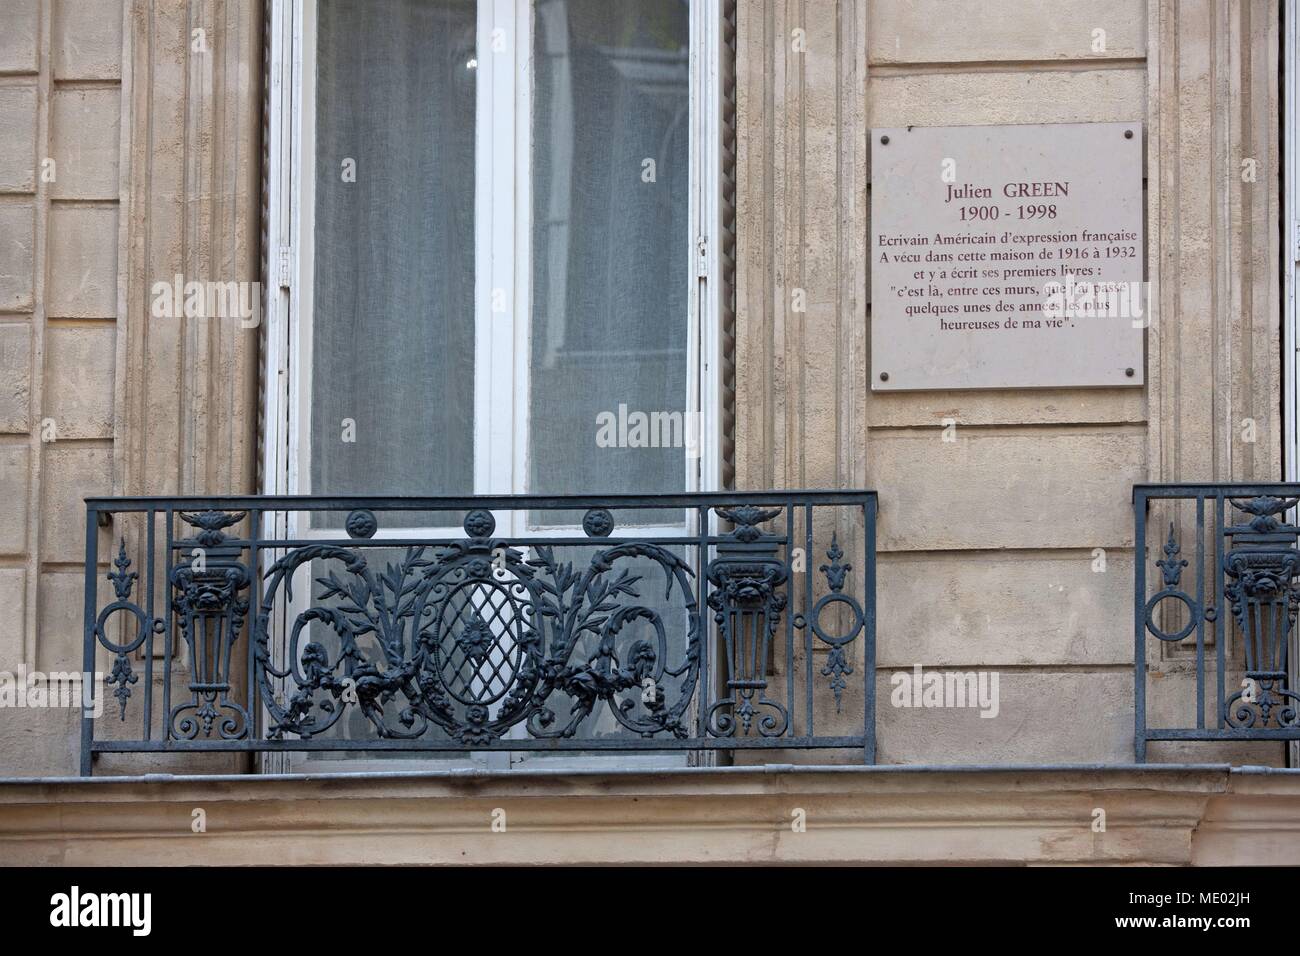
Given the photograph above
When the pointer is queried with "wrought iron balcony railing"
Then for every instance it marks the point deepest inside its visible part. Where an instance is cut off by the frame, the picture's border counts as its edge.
(1216, 622)
(695, 622)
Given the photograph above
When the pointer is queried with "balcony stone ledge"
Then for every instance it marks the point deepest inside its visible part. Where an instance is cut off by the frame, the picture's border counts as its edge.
(1154, 814)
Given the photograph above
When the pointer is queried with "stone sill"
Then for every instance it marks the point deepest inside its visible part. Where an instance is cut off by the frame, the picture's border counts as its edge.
(1202, 814)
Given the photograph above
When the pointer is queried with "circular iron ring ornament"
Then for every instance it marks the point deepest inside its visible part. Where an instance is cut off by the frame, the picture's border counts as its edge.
(361, 524)
(142, 619)
(854, 630)
(598, 523)
(1194, 614)
(480, 523)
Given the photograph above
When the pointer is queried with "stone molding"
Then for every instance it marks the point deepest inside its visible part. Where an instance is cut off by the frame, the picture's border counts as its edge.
(1190, 814)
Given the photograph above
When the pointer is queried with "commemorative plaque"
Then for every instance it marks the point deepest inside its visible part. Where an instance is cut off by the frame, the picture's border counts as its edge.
(1007, 256)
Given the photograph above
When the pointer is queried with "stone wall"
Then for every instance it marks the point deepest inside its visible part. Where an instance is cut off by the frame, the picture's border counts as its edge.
(987, 543)
(130, 153)
(62, 244)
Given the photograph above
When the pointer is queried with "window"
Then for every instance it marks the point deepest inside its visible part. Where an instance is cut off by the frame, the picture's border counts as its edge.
(499, 232)
(494, 225)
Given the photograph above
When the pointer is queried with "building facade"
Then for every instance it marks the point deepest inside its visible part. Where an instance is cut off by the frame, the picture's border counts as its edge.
(290, 249)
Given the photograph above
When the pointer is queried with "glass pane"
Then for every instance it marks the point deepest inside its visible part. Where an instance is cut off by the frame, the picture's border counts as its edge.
(611, 246)
(393, 336)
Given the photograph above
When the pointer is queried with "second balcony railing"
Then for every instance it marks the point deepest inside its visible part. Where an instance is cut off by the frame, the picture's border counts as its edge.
(1216, 591)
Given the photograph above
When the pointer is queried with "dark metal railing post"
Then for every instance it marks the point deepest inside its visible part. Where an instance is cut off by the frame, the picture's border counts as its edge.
(869, 615)
(809, 564)
(149, 569)
(88, 647)
(1220, 642)
(1139, 626)
(1200, 618)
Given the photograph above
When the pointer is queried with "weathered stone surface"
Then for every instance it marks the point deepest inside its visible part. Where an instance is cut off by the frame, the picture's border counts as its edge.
(194, 182)
(1213, 242)
(71, 472)
(944, 31)
(13, 598)
(1043, 716)
(84, 130)
(18, 139)
(40, 743)
(79, 369)
(954, 99)
(18, 39)
(1252, 825)
(18, 229)
(87, 39)
(16, 388)
(60, 639)
(83, 262)
(1004, 609)
(14, 464)
(1028, 407)
(1006, 489)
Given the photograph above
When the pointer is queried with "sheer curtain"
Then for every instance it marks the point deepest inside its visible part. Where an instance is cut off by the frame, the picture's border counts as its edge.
(611, 244)
(393, 316)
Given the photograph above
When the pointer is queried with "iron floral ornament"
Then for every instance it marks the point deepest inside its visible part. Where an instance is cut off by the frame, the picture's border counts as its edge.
(472, 639)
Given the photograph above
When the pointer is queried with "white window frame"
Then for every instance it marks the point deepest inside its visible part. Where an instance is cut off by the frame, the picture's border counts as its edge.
(503, 237)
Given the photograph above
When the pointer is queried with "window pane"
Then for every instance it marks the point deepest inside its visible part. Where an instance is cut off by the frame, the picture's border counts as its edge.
(611, 245)
(393, 334)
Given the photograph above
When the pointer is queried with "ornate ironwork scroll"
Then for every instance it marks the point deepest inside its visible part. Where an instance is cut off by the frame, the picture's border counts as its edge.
(1262, 594)
(1171, 568)
(355, 636)
(210, 602)
(476, 638)
(837, 663)
(122, 675)
(747, 599)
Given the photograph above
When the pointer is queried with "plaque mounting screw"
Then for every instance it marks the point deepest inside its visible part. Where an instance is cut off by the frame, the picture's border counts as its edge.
(1128, 372)
(1128, 134)
(884, 376)
(884, 141)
